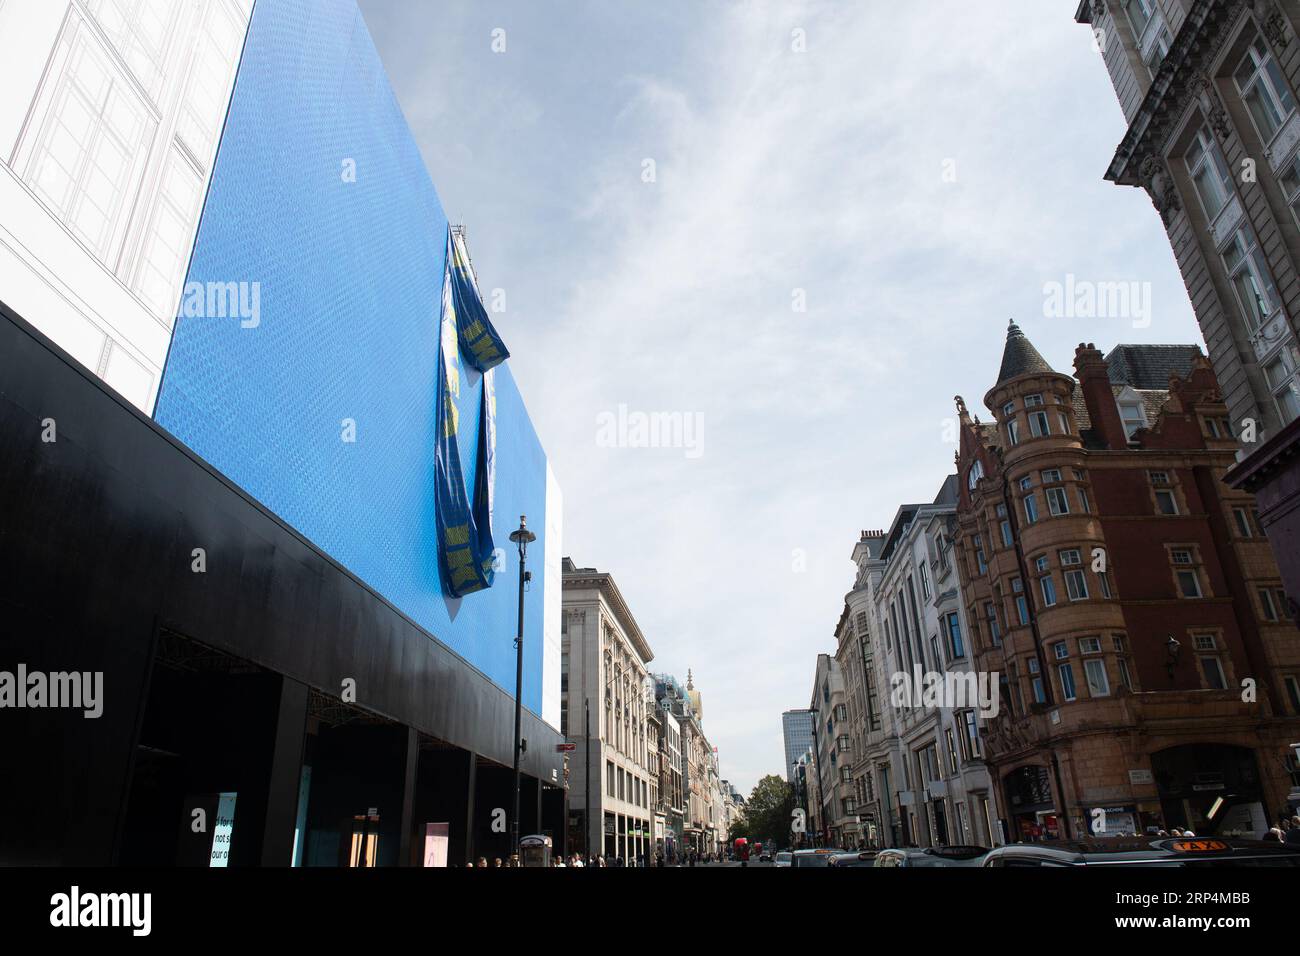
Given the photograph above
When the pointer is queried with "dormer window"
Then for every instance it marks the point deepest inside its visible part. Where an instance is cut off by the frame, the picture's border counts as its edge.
(1131, 412)
(976, 473)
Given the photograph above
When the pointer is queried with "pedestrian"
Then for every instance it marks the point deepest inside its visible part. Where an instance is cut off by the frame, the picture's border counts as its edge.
(496, 863)
(1275, 835)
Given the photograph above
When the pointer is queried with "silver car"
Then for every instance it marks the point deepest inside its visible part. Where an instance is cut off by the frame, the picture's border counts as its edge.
(782, 859)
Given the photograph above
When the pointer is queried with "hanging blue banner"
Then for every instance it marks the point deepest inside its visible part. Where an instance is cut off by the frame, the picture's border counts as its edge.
(465, 528)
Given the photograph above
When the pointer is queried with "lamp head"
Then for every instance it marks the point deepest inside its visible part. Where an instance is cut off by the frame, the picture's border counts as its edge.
(522, 536)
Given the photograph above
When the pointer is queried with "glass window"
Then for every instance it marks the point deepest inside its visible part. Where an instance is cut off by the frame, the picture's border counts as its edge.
(1057, 502)
(1133, 417)
(1066, 673)
(85, 160)
(139, 31)
(955, 643)
(1166, 503)
(1039, 425)
(1289, 176)
(1159, 48)
(1281, 376)
(1094, 670)
(1209, 173)
(167, 248)
(1048, 588)
(1250, 278)
(1139, 15)
(1189, 584)
(208, 87)
(1212, 668)
(1076, 585)
(1031, 509)
(1263, 89)
(1266, 602)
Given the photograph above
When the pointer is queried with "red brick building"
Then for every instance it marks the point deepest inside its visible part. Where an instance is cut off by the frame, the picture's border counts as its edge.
(1127, 598)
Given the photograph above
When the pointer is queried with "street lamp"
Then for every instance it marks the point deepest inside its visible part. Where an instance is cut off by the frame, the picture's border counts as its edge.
(521, 537)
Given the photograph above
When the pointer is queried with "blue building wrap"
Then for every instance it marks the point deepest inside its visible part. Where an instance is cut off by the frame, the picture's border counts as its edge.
(349, 273)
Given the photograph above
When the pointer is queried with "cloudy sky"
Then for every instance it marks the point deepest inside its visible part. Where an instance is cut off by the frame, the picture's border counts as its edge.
(803, 226)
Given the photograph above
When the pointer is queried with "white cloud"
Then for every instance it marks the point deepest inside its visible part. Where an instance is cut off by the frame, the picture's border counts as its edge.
(777, 171)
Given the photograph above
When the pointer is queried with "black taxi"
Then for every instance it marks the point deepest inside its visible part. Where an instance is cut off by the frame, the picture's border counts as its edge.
(1140, 851)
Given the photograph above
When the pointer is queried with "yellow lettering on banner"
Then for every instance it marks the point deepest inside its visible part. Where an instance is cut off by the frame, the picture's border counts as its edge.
(462, 575)
(475, 330)
(452, 423)
(457, 536)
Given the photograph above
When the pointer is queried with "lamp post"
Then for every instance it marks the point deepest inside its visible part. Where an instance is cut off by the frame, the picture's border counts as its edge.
(521, 537)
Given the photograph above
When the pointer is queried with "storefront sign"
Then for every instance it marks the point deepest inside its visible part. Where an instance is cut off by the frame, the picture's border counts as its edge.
(222, 831)
(436, 836)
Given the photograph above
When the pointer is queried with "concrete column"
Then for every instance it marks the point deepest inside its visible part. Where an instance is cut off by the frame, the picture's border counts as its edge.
(404, 847)
(286, 771)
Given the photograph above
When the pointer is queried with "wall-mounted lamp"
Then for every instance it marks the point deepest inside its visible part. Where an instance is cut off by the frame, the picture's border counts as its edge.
(1172, 648)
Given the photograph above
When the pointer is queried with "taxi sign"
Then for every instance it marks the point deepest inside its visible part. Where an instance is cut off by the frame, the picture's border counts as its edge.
(1198, 846)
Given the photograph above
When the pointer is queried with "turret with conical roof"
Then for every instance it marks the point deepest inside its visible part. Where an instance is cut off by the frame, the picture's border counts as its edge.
(1019, 357)
(1031, 402)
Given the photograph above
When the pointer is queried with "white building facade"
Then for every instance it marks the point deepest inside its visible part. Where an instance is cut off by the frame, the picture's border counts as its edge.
(110, 115)
(922, 780)
(603, 666)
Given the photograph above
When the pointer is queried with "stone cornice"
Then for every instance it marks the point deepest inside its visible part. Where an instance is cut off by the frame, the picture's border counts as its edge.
(1181, 79)
(604, 583)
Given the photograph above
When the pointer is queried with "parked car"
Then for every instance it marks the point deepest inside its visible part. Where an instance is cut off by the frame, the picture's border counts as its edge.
(782, 858)
(931, 856)
(812, 858)
(854, 858)
(1144, 851)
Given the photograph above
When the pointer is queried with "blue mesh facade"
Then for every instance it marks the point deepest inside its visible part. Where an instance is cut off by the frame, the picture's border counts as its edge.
(350, 277)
